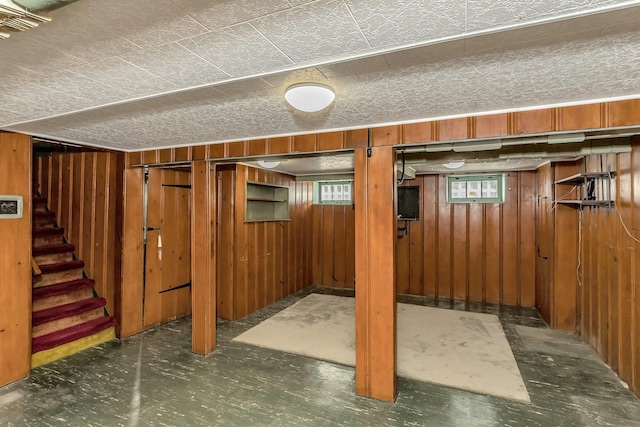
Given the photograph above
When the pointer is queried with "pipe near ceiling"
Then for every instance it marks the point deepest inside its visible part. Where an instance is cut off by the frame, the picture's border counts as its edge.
(42, 5)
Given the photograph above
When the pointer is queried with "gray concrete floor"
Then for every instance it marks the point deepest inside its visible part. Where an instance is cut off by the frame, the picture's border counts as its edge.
(153, 379)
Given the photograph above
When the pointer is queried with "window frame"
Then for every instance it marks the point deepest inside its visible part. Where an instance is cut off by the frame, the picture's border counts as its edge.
(317, 192)
(480, 182)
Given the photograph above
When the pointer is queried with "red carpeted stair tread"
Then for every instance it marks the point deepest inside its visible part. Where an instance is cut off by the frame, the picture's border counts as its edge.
(64, 336)
(61, 266)
(40, 200)
(59, 248)
(43, 214)
(62, 288)
(47, 231)
(66, 310)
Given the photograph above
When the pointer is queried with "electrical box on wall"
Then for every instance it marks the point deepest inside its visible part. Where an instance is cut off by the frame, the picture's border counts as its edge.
(10, 207)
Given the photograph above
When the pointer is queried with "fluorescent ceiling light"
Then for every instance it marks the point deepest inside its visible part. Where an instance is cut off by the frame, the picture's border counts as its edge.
(268, 165)
(565, 138)
(465, 147)
(454, 165)
(309, 97)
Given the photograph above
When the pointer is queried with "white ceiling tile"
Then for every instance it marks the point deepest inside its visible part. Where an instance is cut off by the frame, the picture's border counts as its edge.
(145, 22)
(36, 102)
(316, 30)
(118, 73)
(24, 51)
(81, 87)
(397, 22)
(245, 87)
(484, 14)
(283, 80)
(219, 14)
(352, 69)
(238, 51)
(82, 38)
(176, 64)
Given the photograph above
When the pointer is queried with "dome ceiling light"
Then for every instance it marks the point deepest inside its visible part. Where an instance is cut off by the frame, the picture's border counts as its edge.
(267, 164)
(309, 97)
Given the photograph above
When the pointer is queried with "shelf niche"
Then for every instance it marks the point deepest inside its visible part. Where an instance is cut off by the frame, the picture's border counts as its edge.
(266, 202)
(587, 189)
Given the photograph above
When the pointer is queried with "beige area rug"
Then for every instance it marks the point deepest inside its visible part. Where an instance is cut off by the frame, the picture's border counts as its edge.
(468, 351)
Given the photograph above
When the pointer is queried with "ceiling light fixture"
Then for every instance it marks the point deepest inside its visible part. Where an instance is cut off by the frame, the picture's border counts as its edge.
(268, 165)
(454, 165)
(309, 97)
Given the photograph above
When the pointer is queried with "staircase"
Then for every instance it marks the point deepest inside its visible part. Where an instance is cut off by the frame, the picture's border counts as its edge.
(67, 316)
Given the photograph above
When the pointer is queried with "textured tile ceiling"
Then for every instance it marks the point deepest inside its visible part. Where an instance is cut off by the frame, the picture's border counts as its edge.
(141, 74)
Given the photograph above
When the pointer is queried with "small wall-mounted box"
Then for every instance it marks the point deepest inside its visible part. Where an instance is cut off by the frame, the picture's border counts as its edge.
(10, 207)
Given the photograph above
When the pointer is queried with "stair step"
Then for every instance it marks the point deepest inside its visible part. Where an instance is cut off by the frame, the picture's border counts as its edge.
(72, 333)
(61, 311)
(43, 218)
(62, 288)
(43, 215)
(61, 266)
(59, 248)
(66, 298)
(48, 231)
(39, 200)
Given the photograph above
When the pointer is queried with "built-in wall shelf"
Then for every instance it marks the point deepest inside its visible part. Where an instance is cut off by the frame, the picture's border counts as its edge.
(592, 189)
(266, 202)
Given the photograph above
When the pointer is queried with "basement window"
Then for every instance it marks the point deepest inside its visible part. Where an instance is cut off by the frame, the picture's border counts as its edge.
(332, 192)
(475, 188)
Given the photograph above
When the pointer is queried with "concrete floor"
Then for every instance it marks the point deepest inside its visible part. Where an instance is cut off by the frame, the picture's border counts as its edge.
(153, 379)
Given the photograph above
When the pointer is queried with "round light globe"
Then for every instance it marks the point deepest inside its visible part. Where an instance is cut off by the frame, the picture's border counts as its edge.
(309, 97)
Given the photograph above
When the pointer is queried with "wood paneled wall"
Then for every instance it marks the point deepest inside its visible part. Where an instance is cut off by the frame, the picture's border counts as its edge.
(15, 260)
(85, 192)
(333, 234)
(260, 262)
(608, 297)
(556, 247)
(472, 252)
(518, 123)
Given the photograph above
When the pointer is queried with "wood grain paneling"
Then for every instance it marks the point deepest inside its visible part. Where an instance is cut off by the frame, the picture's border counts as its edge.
(203, 261)
(330, 141)
(304, 143)
(491, 125)
(375, 278)
(257, 147)
(608, 304)
(280, 145)
(15, 260)
(130, 320)
(260, 262)
(85, 191)
(415, 133)
(471, 252)
(334, 245)
(453, 129)
(535, 121)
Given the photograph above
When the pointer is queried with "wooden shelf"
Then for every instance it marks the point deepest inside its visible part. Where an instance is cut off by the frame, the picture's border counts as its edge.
(266, 202)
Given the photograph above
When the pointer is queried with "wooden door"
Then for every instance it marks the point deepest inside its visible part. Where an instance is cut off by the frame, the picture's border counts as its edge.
(167, 283)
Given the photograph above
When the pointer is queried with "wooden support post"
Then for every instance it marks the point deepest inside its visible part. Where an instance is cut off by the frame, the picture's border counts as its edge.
(128, 305)
(203, 270)
(375, 276)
